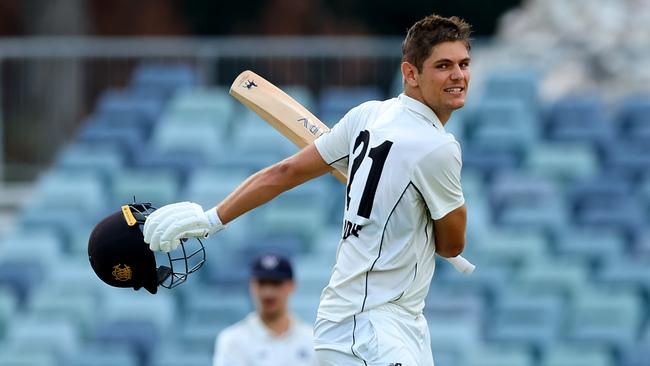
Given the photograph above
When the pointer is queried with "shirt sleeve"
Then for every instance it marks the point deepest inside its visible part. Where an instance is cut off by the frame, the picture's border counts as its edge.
(437, 177)
(226, 351)
(334, 146)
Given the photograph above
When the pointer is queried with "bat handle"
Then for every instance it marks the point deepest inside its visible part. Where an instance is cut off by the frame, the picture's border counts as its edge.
(461, 264)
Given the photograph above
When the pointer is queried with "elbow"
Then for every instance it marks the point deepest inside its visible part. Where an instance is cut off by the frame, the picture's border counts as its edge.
(451, 249)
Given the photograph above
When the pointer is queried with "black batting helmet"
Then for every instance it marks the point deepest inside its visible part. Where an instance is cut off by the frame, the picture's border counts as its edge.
(120, 257)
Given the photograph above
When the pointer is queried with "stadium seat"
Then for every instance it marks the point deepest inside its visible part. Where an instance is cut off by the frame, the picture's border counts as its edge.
(205, 305)
(31, 333)
(513, 246)
(597, 244)
(520, 84)
(92, 157)
(579, 118)
(125, 305)
(252, 135)
(563, 355)
(633, 117)
(140, 336)
(104, 355)
(159, 187)
(563, 277)
(16, 356)
(625, 272)
(163, 78)
(335, 102)
(173, 355)
(562, 161)
(197, 337)
(127, 139)
(212, 103)
(526, 319)
(203, 138)
(489, 160)
(8, 305)
(74, 308)
(498, 356)
(82, 191)
(605, 317)
(182, 163)
(501, 123)
(129, 104)
(631, 158)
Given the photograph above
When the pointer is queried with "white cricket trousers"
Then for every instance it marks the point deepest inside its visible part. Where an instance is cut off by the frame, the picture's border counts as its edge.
(384, 336)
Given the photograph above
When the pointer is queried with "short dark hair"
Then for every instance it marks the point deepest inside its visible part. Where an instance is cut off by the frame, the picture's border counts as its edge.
(430, 31)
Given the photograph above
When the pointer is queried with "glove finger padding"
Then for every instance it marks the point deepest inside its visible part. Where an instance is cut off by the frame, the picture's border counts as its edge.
(195, 225)
(153, 221)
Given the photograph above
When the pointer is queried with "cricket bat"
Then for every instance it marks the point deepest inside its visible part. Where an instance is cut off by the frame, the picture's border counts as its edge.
(295, 122)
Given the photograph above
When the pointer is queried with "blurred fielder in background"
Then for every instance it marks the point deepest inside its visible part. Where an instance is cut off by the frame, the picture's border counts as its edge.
(271, 335)
(403, 204)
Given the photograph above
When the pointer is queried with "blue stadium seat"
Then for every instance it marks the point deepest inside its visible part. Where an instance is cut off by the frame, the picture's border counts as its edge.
(606, 317)
(208, 306)
(214, 104)
(502, 123)
(140, 336)
(202, 138)
(521, 84)
(104, 355)
(631, 158)
(129, 104)
(163, 78)
(173, 355)
(159, 187)
(563, 277)
(563, 355)
(527, 201)
(489, 160)
(78, 308)
(335, 102)
(597, 244)
(251, 135)
(579, 118)
(197, 337)
(128, 139)
(177, 162)
(99, 157)
(526, 319)
(8, 306)
(498, 356)
(77, 190)
(30, 333)
(16, 356)
(125, 305)
(625, 273)
(513, 246)
(26, 257)
(562, 161)
(633, 117)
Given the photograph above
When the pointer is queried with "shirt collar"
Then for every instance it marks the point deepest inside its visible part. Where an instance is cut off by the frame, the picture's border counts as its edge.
(421, 109)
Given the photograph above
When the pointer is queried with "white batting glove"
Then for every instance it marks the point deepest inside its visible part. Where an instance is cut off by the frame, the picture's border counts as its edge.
(165, 227)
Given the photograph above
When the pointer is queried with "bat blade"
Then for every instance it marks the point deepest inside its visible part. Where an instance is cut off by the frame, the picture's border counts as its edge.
(295, 122)
(279, 110)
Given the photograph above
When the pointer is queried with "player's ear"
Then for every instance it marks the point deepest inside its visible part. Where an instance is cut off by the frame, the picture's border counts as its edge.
(409, 74)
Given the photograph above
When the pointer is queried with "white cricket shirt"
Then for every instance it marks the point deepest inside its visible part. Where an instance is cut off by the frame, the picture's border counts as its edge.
(403, 171)
(249, 343)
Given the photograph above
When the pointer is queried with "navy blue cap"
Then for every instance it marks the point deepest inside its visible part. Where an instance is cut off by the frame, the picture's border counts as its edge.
(271, 267)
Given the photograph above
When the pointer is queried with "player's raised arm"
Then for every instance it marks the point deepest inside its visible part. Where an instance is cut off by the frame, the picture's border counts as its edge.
(268, 183)
(166, 226)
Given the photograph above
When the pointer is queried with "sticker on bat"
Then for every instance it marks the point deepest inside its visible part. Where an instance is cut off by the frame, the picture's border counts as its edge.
(312, 128)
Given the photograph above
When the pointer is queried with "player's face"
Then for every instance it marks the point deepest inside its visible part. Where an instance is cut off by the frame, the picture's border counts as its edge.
(271, 297)
(444, 78)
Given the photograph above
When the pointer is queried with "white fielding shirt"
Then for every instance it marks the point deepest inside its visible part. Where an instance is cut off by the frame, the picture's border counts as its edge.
(249, 343)
(403, 171)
